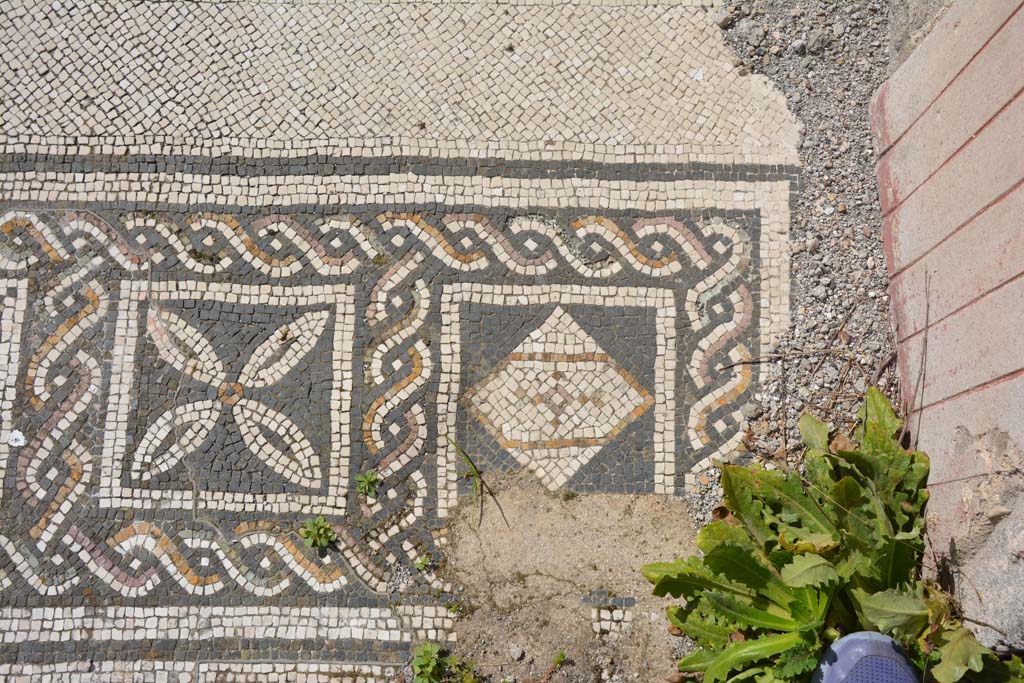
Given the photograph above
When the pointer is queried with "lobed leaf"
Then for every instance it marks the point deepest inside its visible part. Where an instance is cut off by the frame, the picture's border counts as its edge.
(787, 492)
(814, 432)
(796, 662)
(878, 421)
(748, 651)
(893, 611)
(687, 578)
(738, 489)
(809, 570)
(705, 628)
(749, 615)
(738, 563)
(820, 476)
(960, 652)
(997, 671)
(697, 661)
(809, 543)
(839, 547)
(721, 531)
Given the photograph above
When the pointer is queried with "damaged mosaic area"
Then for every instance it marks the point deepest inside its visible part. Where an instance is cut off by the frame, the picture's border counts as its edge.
(212, 324)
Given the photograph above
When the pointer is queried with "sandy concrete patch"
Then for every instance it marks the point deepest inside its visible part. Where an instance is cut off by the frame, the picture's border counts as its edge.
(523, 586)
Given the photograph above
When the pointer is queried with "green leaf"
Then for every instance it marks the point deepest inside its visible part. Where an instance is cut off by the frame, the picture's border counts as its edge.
(807, 543)
(853, 566)
(917, 475)
(838, 548)
(722, 531)
(898, 560)
(809, 608)
(850, 509)
(860, 511)
(959, 653)
(864, 466)
(737, 563)
(749, 615)
(687, 578)
(706, 629)
(742, 653)
(697, 661)
(809, 570)
(997, 671)
(820, 476)
(796, 662)
(878, 420)
(814, 431)
(427, 664)
(803, 518)
(737, 488)
(893, 611)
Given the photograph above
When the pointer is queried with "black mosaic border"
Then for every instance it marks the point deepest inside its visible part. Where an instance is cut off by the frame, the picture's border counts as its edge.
(326, 165)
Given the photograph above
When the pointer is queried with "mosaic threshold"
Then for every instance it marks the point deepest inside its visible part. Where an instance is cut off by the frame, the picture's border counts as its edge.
(212, 320)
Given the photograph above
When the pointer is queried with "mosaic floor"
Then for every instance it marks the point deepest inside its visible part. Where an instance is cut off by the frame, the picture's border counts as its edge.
(251, 250)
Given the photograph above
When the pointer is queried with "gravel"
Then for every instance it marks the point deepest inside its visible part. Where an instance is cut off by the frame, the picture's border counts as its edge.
(827, 58)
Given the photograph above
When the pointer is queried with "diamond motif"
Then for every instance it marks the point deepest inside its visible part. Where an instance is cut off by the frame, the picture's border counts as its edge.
(557, 399)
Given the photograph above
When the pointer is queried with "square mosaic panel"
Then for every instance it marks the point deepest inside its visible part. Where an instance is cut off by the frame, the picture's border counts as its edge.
(190, 375)
(529, 381)
(230, 397)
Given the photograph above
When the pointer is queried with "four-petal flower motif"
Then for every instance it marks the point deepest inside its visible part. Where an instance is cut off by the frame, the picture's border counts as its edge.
(271, 435)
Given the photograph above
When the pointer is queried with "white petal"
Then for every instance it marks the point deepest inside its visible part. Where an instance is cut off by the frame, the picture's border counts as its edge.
(283, 350)
(184, 347)
(187, 425)
(298, 464)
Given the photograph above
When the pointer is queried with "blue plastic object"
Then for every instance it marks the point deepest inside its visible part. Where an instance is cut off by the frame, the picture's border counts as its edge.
(865, 657)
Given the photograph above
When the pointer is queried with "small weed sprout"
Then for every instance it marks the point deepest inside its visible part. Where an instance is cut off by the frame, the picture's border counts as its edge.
(367, 482)
(460, 671)
(318, 533)
(428, 665)
(559, 659)
(422, 562)
(458, 609)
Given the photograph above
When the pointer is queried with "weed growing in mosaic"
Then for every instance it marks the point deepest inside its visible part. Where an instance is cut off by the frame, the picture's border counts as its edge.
(479, 485)
(318, 533)
(422, 563)
(800, 561)
(428, 664)
(459, 608)
(431, 665)
(367, 483)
